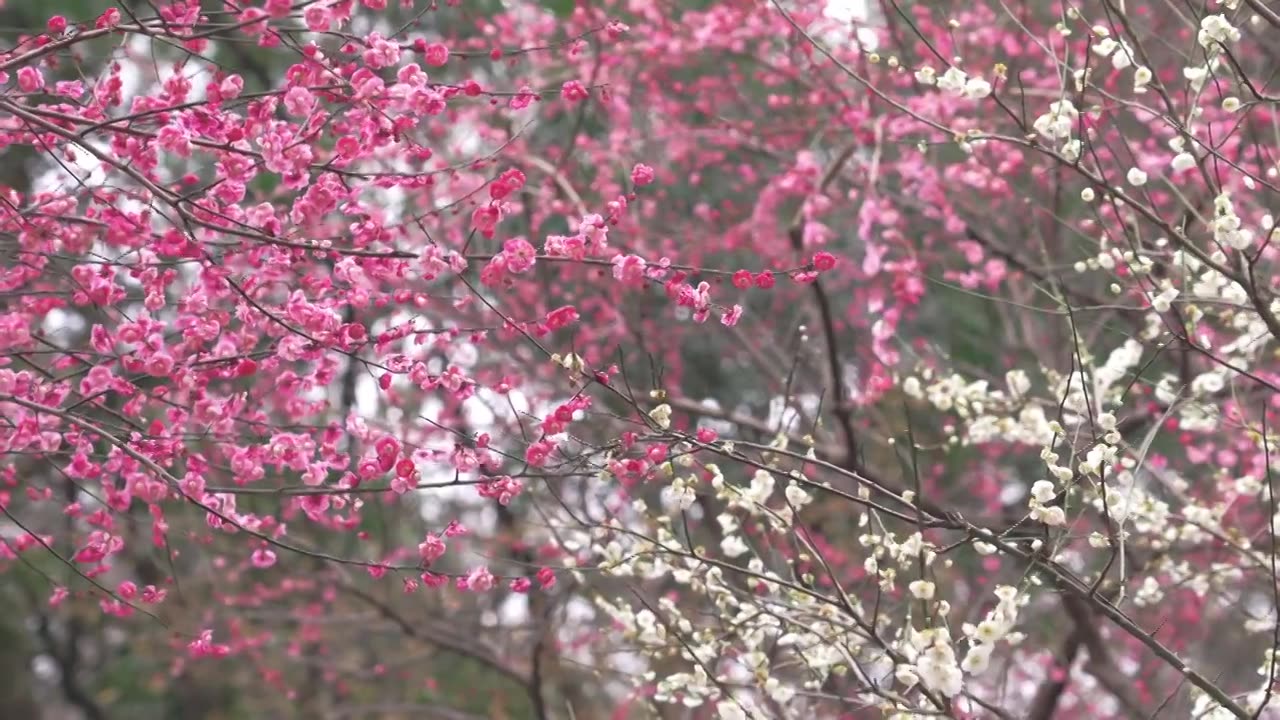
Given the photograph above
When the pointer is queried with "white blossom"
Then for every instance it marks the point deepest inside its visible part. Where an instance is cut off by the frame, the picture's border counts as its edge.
(730, 710)
(1164, 300)
(1106, 46)
(1215, 30)
(977, 659)
(1043, 491)
(1141, 78)
(679, 494)
(1183, 161)
(797, 496)
(1018, 382)
(1059, 122)
(1227, 228)
(952, 81)
(1122, 57)
(976, 89)
(761, 488)
(938, 670)
(1196, 76)
(1051, 516)
(922, 589)
(733, 546)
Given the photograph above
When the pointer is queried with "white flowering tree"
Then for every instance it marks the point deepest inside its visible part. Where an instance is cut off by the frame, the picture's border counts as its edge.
(1062, 508)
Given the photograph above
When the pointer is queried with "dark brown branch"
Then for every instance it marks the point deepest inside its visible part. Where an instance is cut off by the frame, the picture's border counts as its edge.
(842, 410)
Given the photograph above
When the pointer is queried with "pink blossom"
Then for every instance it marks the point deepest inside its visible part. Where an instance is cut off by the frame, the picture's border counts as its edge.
(204, 647)
(509, 182)
(629, 269)
(546, 578)
(485, 218)
(30, 79)
(109, 18)
(435, 54)
(478, 580)
(523, 99)
(263, 558)
(381, 52)
(562, 317)
(823, 261)
(641, 175)
(431, 549)
(731, 316)
(299, 101)
(503, 489)
(231, 86)
(574, 91)
(401, 484)
(520, 256)
(538, 452)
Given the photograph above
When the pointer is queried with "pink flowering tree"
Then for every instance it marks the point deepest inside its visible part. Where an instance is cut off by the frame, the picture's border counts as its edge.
(676, 359)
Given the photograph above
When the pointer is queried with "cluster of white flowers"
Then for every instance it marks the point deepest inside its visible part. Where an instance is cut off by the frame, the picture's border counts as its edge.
(1149, 593)
(571, 362)
(1103, 384)
(1125, 501)
(955, 82)
(751, 643)
(886, 551)
(627, 554)
(1108, 257)
(693, 688)
(1206, 282)
(1226, 224)
(1231, 308)
(932, 663)
(996, 626)
(1215, 31)
(735, 709)
(1162, 301)
(991, 414)
(1121, 55)
(1059, 124)
(754, 498)
(1197, 76)
(680, 494)
(661, 415)
(930, 654)
(1103, 454)
(1043, 491)
(796, 496)
(1118, 50)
